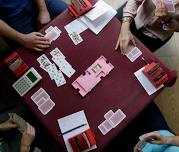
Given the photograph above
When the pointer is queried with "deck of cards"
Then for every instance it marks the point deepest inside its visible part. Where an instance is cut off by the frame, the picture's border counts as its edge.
(52, 33)
(21, 123)
(52, 70)
(43, 101)
(133, 53)
(111, 121)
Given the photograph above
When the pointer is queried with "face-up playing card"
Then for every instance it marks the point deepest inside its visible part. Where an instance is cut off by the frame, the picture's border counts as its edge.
(170, 5)
(117, 118)
(56, 75)
(108, 114)
(57, 52)
(64, 66)
(21, 123)
(75, 37)
(47, 106)
(133, 53)
(43, 61)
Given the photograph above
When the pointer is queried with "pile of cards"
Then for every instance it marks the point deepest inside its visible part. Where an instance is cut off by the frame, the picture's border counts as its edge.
(43, 101)
(75, 37)
(52, 70)
(59, 59)
(111, 121)
(133, 53)
(21, 123)
(52, 33)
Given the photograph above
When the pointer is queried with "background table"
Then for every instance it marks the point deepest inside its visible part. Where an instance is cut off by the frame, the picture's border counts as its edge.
(120, 89)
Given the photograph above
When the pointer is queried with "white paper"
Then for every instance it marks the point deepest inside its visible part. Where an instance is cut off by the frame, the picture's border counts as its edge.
(97, 25)
(71, 121)
(147, 85)
(99, 9)
(76, 26)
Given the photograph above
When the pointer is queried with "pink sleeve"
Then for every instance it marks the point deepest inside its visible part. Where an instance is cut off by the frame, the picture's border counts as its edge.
(131, 8)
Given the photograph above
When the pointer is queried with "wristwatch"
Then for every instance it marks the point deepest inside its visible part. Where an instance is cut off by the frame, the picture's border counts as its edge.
(127, 19)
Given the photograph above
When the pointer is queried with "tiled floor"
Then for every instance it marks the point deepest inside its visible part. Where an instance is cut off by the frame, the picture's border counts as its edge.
(168, 100)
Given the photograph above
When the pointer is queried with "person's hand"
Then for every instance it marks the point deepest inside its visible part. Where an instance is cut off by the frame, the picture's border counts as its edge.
(27, 137)
(124, 39)
(43, 18)
(154, 137)
(9, 124)
(161, 10)
(35, 41)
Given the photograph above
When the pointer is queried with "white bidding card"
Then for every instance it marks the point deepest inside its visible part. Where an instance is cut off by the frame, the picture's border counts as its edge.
(108, 114)
(133, 54)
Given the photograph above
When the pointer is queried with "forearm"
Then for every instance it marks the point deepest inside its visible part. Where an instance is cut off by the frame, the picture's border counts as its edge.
(24, 148)
(41, 5)
(173, 141)
(7, 31)
(131, 8)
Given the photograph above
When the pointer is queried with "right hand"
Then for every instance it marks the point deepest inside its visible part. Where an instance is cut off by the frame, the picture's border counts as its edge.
(28, 136)
(124, 39)
(154, 137)
(35, 41)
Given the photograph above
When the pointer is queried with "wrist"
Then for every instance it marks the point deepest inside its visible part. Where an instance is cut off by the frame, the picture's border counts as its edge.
(126, 26)
(25, 148)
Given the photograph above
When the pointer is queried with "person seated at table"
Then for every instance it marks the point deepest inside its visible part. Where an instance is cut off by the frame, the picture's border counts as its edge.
(20, 18)
(149, 120)
(160, 141)
(12, 140)
(149, 21)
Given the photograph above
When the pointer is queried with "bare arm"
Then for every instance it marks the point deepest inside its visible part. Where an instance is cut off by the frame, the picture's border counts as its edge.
(8, 32)
(43, 16)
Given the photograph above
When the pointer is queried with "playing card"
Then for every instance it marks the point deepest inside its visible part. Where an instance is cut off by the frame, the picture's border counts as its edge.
(43, 61)
(108, 114)
(64, 66)
(47, 106)
(107, 125)
(48, 29)
(57, 30)
(52, 35)
(41, 101)
(102, 129)
(170, 5)
(133, 53)
(57, 52)
(37, 93)
(41, 95)
(59, 79)
(117, 118)
(75, 37)
(21, 123)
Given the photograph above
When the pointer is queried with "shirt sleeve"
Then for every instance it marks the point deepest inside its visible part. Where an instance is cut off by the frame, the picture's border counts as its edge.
(131, 8)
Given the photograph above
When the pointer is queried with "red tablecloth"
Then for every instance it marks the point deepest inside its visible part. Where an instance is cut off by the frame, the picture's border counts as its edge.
(120, 89)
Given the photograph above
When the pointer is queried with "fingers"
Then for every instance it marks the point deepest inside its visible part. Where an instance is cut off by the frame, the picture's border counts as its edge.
(117, 44)
(39, 34)
(150, 136)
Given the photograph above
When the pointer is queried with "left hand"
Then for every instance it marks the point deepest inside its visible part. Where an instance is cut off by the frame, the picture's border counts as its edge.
(9, 124)
(43, 18)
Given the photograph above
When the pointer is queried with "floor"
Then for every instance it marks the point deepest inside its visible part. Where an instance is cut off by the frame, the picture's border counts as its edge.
(168, 100)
